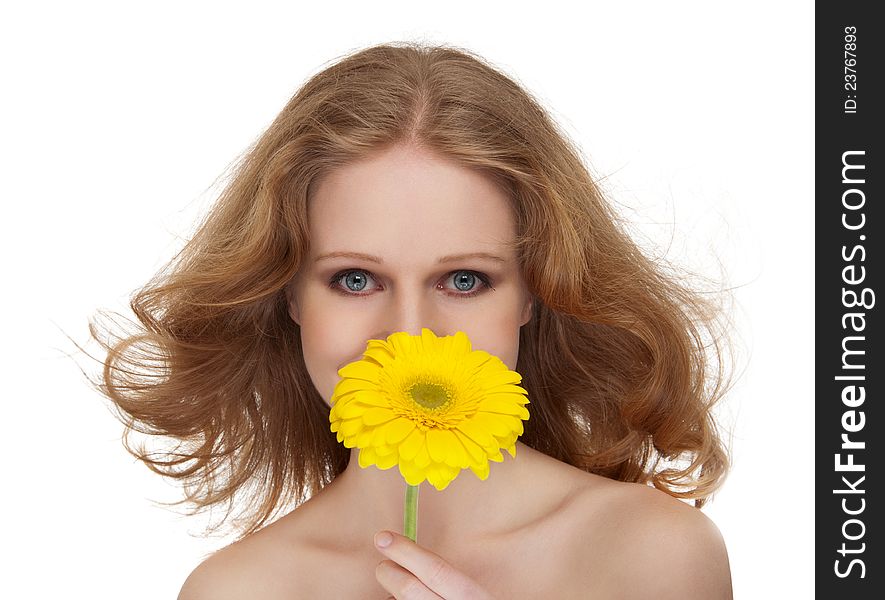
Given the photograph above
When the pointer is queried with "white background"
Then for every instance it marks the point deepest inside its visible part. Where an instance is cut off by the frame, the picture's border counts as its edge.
(117, 119)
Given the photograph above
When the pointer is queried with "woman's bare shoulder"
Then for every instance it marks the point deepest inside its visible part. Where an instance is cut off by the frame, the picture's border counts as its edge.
(642, 542)
(263, 566)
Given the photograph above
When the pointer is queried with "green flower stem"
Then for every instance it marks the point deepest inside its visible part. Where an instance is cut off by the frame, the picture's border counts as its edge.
(410, 513)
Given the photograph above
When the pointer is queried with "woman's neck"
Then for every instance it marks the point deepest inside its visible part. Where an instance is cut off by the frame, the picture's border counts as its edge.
(375, 499)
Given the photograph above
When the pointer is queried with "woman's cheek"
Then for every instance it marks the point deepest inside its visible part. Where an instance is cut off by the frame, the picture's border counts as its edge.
(327, 348)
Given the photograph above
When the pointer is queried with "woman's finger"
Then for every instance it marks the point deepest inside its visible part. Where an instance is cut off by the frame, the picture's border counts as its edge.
(403, 584)
(432, 572)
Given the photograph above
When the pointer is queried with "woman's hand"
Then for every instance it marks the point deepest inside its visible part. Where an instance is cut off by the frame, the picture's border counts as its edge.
(414, 573)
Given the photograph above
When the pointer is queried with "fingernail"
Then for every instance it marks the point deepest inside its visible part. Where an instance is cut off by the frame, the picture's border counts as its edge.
(383, 539)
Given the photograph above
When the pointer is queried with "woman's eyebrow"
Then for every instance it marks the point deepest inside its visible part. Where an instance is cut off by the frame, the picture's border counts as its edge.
(444, 259)
(358, 255)
(456, 257)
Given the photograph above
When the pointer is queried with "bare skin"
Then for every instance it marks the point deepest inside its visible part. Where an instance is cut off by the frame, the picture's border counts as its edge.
(568, 535)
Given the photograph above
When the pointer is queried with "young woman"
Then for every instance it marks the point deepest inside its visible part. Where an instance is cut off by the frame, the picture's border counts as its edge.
(407, 187)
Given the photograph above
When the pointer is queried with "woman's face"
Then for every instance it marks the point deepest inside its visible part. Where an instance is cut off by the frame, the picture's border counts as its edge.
(400, 241)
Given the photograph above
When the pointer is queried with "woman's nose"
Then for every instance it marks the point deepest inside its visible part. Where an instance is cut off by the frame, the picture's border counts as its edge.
(410, 312)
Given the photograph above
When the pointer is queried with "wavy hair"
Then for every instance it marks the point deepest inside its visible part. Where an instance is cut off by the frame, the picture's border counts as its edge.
(616, 357)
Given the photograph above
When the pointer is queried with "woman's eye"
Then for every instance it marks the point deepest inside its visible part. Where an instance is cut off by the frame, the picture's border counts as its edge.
(463, 283)
(351, 281)
(466, 282)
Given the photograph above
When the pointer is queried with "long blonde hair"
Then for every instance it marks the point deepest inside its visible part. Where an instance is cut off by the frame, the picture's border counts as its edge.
(616, 357)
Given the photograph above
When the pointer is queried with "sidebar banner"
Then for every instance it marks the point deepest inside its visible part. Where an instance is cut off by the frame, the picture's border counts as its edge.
(849, 364)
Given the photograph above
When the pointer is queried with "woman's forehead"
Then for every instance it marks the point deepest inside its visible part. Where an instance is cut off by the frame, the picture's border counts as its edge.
(404, 200)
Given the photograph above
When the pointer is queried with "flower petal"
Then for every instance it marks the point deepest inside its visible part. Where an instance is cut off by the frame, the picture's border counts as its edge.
(510, 440)
(497, 425)
(493, 380)
(457, 455)
(422, 459)
(385, 451)
(364, 398)
(360, 369)
(481, 471)
(386, 461)
(474, 451)
(380, 354)
(364, 438)
(409, 448)
(476, 432)
(378, 437)
(444, 447)
(398, 430)
(412, 474)
(461, 343)
(504, 406)
(366, 457)
(516, 390)
(475, 360)
(440, 475)
(346, 386)
(437, 444)
(348, 410)
(428, 340)
(350, 427)
(376, 416)
(401, 344)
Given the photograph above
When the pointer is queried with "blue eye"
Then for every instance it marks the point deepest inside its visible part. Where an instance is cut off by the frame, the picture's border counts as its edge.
(351, 282)
(356, 282)
(464, 280)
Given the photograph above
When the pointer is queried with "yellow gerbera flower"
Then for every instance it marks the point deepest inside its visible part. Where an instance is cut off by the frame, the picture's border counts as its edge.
(429, 404)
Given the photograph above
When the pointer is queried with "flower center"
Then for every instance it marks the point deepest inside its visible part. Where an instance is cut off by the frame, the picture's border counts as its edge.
(429, 395)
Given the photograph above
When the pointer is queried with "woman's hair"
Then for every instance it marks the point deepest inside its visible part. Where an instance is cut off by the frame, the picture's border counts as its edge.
(616, 357)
